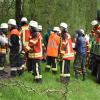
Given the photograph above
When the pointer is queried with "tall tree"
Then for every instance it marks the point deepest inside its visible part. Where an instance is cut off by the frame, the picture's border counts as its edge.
(19, 9)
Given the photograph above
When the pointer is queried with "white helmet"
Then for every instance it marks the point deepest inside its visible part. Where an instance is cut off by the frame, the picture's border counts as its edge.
(57, 29)
(33, 24)
(23, 19)
(94, 22)
(82, 31)
(12, 22)
(40, 27)
(64, 25)
(4, 25)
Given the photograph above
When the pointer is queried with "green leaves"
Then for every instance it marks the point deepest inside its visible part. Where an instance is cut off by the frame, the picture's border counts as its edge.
(76, 13)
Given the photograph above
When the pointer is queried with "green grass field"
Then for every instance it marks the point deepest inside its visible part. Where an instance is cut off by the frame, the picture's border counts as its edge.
(23, 88)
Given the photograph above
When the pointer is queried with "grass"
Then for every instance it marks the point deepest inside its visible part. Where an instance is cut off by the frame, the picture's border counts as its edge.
(76, 89)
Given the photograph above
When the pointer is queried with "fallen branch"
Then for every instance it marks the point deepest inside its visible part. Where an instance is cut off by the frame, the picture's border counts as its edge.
(52, 90)
(26, 88)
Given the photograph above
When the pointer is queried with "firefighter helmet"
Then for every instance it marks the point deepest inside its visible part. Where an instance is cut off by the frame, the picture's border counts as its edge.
(4, 25)
(57, 29)
(12, 22)
(94, 22)
(23, 19)
(64, 25)
(33, 24)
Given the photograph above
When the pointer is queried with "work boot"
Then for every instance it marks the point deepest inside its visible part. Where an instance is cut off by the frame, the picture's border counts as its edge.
(3, 73)
(13, 73)
(29, 69)
(20, 72)
(47, 69)
(64, 80)
(23, 67)
(76, 75)
(54, 72)
(84, 77)
(39, 80)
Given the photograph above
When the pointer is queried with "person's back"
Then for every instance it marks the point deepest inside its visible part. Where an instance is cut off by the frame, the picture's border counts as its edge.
(52, 50)
(14, 41)
(53, 44)
(81, 45)
(80, 58)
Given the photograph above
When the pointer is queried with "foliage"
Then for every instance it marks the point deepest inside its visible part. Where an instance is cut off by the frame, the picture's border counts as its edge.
(98, 4)
(7, 10)
(77, 13)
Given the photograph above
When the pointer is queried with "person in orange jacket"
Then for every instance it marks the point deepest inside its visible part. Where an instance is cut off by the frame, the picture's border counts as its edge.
(34, 51)
(66, 52)
(24, 30)
(52, 50)
(25, 36)
(15, 45)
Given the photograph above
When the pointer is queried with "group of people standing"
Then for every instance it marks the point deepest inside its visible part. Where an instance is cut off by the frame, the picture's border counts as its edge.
(28, 46)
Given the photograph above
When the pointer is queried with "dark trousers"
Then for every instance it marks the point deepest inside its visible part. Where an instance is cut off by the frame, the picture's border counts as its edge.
(92, 62)
(15, 64)
(51, 61)
(35, 63)
(80, 62)
(21, 60)
(2, 61)
(14, 60)
(65, 68)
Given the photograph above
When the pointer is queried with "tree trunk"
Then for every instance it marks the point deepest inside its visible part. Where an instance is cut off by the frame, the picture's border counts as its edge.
(19, 10)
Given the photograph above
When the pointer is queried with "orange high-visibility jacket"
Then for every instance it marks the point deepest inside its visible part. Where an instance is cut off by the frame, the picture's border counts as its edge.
(34, 47)
(66, 48)
(53, 45)
(14, 32)
(25, 34)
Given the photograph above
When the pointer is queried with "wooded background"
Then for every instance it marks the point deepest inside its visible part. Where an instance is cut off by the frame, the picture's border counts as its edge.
(77, 13)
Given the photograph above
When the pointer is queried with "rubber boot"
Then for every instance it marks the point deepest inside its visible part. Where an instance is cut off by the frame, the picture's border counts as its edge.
(3, 73)
(64, 80)
(20, 72)
(76, 75)
(84, 76)
(47, 69)
(13, 73)
(54, 72)
(29, 69)
(39, 80)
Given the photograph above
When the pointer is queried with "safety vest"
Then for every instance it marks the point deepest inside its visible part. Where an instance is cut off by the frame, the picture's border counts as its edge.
(34, 47)
(53, 45)
(25, 34)
(66, 48)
